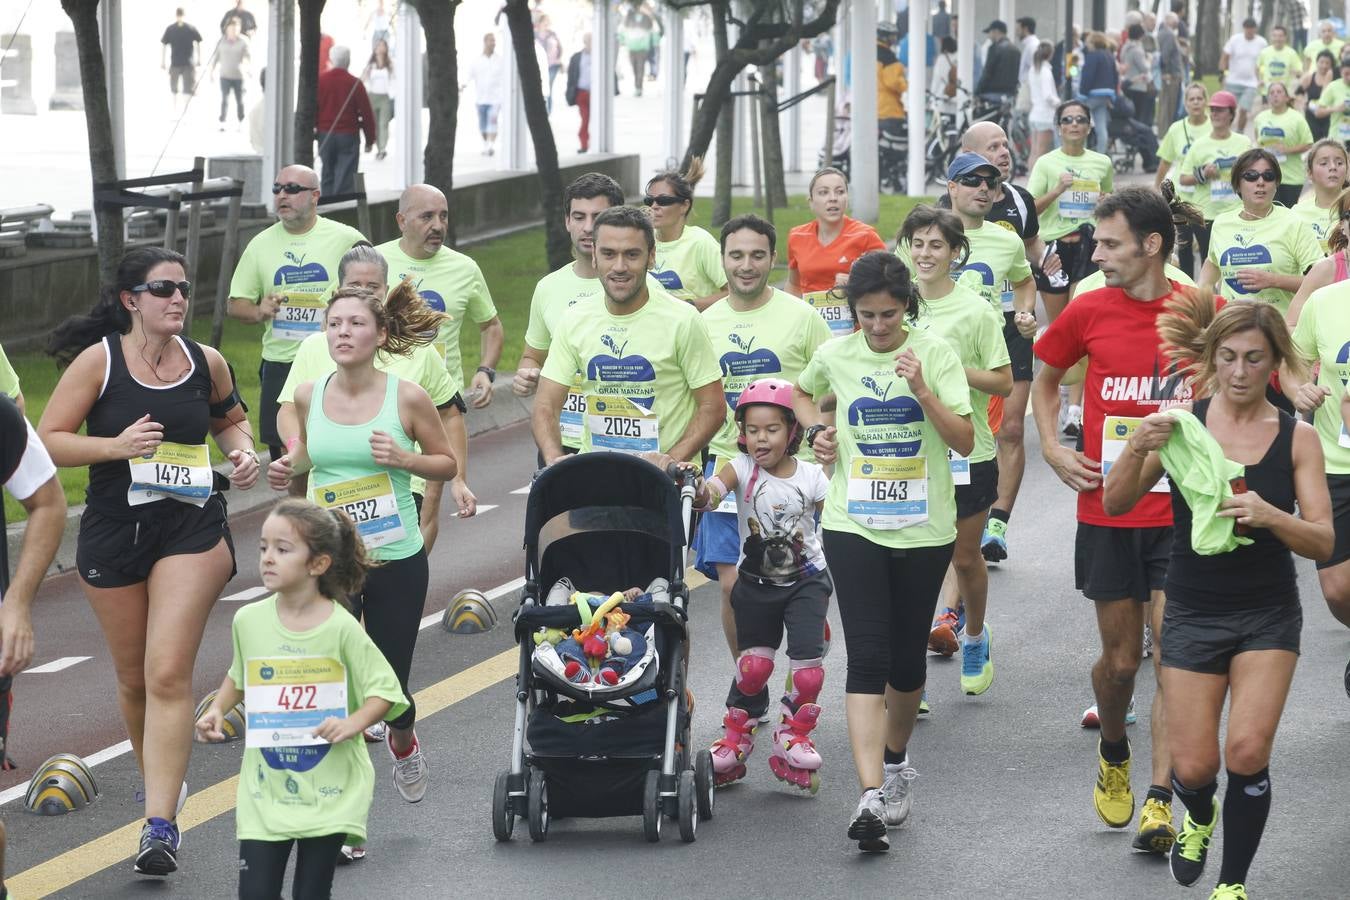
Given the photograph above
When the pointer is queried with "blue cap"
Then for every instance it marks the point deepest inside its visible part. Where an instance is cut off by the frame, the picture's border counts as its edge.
(968, 162)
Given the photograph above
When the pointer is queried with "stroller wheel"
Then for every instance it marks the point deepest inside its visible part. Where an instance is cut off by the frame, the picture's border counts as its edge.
(503, 819)
(687, 797)
(651, 807)
(538, 806)
(704, 784)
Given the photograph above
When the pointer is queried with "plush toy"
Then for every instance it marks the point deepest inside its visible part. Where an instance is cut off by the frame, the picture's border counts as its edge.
(549, 635)
(615, 624)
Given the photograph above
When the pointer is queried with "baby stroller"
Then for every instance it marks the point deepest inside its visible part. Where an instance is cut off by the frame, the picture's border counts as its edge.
(1129, 136)
(594, 749)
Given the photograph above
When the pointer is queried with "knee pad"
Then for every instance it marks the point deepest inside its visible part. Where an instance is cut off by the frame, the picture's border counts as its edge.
(808, 675)
(753, 668)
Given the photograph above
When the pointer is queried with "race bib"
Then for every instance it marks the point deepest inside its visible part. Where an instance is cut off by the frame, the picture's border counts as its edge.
(728, 504)
(617, 423)
(176, 471)
(298, 316)
(371, 503)
(888, 493)
(1343, 129)
(1080, 199)
(572, 420)
(286, 699)
(960, 466)
(1221, 186)
(1344, 439)
(1007, 298)
(1116, 431)
(833, 308)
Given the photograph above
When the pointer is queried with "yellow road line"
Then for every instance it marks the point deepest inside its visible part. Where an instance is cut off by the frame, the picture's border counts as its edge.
(94, 856)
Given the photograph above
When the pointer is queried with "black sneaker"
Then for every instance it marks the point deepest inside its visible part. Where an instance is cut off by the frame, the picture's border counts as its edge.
(1187, 859)
(159, 848)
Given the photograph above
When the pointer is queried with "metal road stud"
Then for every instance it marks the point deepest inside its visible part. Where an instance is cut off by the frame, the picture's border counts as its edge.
(469, 612)
(232, 725)
(62, 784)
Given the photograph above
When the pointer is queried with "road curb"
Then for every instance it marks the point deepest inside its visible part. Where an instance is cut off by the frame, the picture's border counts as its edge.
(506, 409)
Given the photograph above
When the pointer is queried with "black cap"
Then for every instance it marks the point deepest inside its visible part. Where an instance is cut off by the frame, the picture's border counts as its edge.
(997, 25)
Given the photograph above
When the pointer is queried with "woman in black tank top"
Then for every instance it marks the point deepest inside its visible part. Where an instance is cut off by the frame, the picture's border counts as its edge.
(1232, 620)
(154, 547)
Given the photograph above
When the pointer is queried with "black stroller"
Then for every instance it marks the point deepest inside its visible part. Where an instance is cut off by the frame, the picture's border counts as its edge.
(604, 521)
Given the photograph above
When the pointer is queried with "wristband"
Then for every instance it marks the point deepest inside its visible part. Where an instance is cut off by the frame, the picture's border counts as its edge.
(812, 433)
(490, 372)
(291, 442)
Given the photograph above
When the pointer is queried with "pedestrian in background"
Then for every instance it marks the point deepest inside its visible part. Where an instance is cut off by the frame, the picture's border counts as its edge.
(231, 54)
(1238, 63)
(1044, 100)
(379, 79)
(183, 44)
(578, 91)
(1097, 82)
(344, 114)
(1136, 74)
(548, 39)
(1171, 72)
(488, 77)
(247, 23)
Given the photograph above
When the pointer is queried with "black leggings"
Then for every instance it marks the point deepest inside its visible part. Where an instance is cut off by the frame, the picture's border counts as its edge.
(886, 601)
(262, 867)
(391, 601)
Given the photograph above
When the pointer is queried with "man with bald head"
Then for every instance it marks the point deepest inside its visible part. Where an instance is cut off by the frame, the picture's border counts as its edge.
(282, 281)
(450, 282)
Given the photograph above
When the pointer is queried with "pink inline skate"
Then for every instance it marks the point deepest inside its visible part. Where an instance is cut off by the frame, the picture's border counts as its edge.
(732, 749)
(795, 760)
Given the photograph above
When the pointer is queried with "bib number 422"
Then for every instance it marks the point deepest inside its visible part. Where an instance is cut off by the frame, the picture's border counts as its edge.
(297, 697)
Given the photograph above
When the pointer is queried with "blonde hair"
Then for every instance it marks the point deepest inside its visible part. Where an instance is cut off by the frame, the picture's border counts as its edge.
(407, 321)
(1336, 239)
(1191, 331)
(331, 533)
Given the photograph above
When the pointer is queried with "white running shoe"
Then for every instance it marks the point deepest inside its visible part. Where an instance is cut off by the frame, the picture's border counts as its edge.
(1073, 421)
(868, 827)
(410, 773)
(1148, 640)
(351, 854)
(896, 792)
(1091, 720)
(377, 733)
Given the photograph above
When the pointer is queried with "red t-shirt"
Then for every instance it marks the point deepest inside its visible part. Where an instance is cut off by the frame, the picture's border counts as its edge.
(1127, 376)
(817, 264)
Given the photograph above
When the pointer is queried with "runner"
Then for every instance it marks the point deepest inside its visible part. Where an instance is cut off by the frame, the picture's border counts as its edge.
(1258, 251)
(821, 251)
(935, 239)
(688, 263)
(360, 430)
(647, 363)
(9, 381)
(1233, 615)
(759, 332)
(1331, 269)
(1284, 132)
(1327, 163)
(1334, 104)
(890, 517)
(1120, 561)
(282, 281)
(313, 559)
(1279, 64)
(1207, 168)
(154, 549)
(1181, 134)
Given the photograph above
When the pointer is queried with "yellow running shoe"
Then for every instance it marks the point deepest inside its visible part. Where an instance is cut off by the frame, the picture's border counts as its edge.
(1111, 796)
(1156, 833)
(1229, 892)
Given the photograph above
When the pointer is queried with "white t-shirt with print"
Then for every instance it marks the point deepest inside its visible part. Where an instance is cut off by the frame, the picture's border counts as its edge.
(777, 521)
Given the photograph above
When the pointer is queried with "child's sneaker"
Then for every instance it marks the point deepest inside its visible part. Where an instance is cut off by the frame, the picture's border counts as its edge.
(159, 848)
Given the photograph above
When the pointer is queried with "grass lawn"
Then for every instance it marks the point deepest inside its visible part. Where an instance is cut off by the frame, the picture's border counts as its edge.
(511, 265)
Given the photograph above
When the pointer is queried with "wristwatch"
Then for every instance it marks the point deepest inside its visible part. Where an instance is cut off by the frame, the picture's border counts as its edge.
(490, 372)
(812, 433)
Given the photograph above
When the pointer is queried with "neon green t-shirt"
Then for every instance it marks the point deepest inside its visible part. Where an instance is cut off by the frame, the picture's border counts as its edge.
(1320, 221)
(997, 261)
(690, 266)
(1323, 335)
(1289, 129)
(1216, 195)
(9, 379)
(1282, 65)
(1177, 143)
(1277, 243)
(302, 269)
(774, 341)
(977, 337)
(1093, 178)
(423, 366)
(449, 282)
(306, 791)
(1336, 97)
(892, 482)
(638, 371)
(1098, 279)
(1315, 47)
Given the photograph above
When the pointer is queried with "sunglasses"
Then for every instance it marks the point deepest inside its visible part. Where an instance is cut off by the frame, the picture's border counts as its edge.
(164, 288)
(1074, 120)
(661, 200)
(1253, 177)
(971, 180)
(291, 187)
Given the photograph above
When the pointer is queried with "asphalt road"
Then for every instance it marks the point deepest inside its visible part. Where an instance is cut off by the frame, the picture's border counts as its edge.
(1002, 806)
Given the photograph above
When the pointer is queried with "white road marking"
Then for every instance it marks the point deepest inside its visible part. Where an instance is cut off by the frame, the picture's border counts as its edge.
(244, 596)
(482, 508)
(524, 490)
(493, 594)
(56, 665)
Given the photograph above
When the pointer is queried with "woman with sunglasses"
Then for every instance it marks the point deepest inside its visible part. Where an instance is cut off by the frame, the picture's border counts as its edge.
(889, 521)
(1260, 250)
(1283, 131)
(821, 252)
(1331, 269)
(1327, 163)
(688, 259)
(1207, 168)
(154, 549)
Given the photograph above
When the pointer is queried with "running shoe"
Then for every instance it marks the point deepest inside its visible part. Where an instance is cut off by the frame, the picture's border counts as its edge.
(376, 733)
(159, 848)
(1229, 892)
(1111, 796)
(923, 704)
(868, 827)
(1187, 859)
(895, 791)
(1091, 720)
(410, 772)
(994, 544)
(351, 854)
(977, 667)
(942, 638)
(1347, 688)
(1156, 834)
(1148, 640)
(1073, 422)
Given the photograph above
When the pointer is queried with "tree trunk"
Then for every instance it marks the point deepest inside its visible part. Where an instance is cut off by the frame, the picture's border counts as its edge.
(442, 90)
(771, 137)
(98, 121)
(307, 81)
(557, 243)
(1206, 40)
(724, 121)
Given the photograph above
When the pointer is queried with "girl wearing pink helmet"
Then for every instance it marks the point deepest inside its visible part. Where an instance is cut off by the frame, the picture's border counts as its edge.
(781, 584)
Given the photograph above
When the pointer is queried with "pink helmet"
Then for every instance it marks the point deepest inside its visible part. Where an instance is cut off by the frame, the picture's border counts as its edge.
(773, 392)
